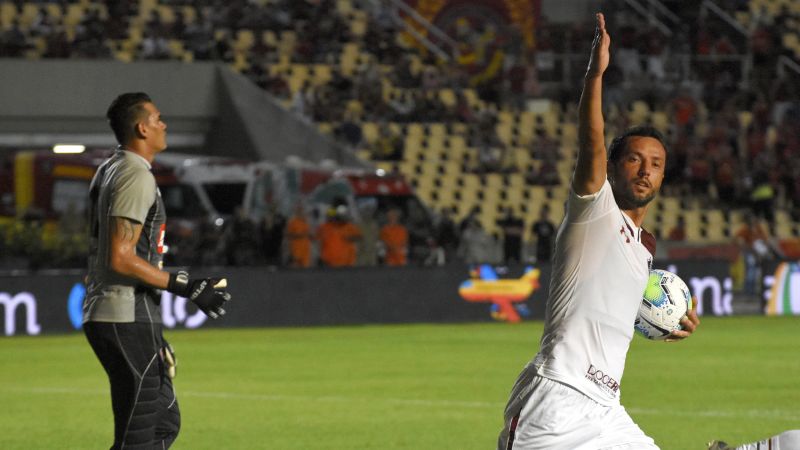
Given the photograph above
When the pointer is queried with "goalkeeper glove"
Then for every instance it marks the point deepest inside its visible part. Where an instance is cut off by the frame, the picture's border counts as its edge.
(207, 293)
(170, 360)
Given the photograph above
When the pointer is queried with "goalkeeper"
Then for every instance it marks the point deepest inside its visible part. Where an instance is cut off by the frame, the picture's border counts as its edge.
(121, 311)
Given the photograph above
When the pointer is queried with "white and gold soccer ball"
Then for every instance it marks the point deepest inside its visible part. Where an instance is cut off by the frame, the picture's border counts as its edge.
(665, 302)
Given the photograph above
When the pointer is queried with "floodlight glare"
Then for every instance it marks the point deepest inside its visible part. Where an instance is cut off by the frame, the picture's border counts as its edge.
(69, 148)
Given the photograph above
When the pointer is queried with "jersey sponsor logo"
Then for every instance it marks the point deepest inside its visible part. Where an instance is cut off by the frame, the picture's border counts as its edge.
(11, 303)
(601, 379)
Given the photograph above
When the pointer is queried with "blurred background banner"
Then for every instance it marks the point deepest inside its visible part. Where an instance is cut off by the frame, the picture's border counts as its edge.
(50, 303)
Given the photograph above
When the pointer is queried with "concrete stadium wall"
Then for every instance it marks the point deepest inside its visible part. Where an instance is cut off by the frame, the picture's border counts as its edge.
(35, 304)
(73, 95)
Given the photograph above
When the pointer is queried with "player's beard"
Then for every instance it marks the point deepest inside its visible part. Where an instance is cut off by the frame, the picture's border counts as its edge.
(627, 199)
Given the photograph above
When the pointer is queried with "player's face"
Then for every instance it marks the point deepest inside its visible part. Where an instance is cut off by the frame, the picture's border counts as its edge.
(636, 177)
(156, 128)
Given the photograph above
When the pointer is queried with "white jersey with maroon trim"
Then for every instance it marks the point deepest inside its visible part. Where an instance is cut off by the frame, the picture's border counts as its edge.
(600, 271)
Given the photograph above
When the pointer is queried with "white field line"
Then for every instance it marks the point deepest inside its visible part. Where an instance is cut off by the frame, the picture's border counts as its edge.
(754, 414)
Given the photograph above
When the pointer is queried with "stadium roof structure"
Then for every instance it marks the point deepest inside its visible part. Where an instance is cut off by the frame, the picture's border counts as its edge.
(209, 109)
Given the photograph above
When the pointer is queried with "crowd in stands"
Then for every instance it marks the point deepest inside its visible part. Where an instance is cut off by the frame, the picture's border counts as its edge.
(303, 240)
(730, 143)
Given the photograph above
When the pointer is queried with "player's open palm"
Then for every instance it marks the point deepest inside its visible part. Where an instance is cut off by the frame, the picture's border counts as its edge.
(598, 63)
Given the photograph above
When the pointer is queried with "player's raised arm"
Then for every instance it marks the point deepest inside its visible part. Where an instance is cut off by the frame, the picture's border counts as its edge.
(590, 171)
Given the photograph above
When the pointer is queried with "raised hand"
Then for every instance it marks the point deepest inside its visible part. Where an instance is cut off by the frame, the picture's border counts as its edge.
(598, 63)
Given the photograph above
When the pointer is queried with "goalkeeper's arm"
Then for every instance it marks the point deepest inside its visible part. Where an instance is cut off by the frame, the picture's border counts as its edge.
(208, 294)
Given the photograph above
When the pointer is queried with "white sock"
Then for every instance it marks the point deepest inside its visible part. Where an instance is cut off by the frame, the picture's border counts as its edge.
(788, 440)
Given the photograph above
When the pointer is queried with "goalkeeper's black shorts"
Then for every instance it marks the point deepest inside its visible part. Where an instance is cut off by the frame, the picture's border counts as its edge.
(146, 413)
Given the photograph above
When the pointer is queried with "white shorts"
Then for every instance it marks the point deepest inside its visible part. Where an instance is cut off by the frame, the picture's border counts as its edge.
(545, 414)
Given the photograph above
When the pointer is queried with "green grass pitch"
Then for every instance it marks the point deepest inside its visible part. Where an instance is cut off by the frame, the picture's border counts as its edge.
(398, 386)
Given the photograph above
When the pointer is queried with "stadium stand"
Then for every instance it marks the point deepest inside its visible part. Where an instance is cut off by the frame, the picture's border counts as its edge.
(500, 141)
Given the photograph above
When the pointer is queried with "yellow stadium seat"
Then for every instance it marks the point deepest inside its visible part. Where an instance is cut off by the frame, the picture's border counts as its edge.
(344, 7)
(244, 40)
(166, 13)
(189, 14)
(448, 97)
(176, 48)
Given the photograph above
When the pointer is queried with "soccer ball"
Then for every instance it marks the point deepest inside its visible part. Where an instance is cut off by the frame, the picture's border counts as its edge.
(665, 302)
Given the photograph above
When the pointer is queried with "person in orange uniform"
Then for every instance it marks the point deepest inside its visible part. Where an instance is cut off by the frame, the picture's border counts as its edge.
(394, 236)
(298, 232)
(337, 239)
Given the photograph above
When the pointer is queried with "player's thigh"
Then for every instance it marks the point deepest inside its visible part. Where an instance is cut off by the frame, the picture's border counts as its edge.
(557, 417)
(620, 432)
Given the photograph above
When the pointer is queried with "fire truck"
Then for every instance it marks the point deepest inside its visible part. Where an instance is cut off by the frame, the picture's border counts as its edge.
(46, 185)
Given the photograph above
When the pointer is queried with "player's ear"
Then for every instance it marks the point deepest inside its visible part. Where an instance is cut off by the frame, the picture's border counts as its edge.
(140, 129)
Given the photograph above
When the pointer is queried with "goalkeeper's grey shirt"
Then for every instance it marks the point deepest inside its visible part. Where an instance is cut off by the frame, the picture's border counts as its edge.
(123, 186)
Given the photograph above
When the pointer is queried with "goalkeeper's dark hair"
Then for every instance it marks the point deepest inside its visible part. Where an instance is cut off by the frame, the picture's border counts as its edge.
(619, 144)
(124, 113)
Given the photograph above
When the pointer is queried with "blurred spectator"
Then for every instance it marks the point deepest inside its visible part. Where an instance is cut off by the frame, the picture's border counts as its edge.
(544, 147)
(489, 157)
(446, 235)
(270, 235)
(545, 233)
(337, 238)
(301, 103)
(762, 198)
(42, 24)
(684, 110)
(349, 131)
(211, 244)
(13, 42)
(200, 36)
(476, 244)
(57, 43)
(756, 246)
(394, 236)
(370, 235)
(545, 175)
(299, 235)
(154, 46)
(513, 228)
(388, 146)
(278, 87)
(241, 239)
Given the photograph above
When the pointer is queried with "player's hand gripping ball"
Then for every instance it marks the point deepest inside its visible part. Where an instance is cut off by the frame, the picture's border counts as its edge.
(665, 302)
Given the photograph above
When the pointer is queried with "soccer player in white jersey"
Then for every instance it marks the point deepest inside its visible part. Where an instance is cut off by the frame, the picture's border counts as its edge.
(568, 396)
(788, 440)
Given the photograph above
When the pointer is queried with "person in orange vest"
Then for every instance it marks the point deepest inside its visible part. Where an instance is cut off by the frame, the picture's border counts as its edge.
(337, 239)
(299, 235)
(394, 236)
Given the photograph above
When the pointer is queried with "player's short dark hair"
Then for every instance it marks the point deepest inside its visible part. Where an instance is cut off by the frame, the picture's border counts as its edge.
(618, 145)
(123, 114)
